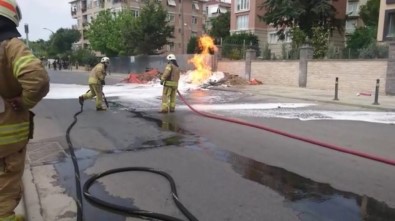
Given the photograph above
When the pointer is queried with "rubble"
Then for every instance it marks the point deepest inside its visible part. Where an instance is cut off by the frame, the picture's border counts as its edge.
(143, 78)
(216, 79)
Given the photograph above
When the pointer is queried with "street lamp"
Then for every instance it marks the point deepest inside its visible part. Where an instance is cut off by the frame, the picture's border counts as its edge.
(49, 30)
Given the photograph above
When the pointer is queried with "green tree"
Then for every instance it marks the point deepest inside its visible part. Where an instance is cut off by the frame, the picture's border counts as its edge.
(149, 32)
(193, 45)
(40, 47)
(234, 46)
(104, 32)
(62, 41)
(370, 13)
(220, 26)
(305, 14)
(365, 37)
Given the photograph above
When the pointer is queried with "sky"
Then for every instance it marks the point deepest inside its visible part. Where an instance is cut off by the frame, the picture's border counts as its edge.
(39, 14)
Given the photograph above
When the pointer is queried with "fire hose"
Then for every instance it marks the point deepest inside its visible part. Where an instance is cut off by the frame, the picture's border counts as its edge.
(293, 136)
(147, 214)
(113, 207)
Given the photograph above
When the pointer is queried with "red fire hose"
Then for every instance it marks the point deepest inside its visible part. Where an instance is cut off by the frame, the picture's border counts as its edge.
(308, 140)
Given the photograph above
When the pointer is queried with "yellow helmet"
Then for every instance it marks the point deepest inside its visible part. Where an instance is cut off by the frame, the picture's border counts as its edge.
(10, 9)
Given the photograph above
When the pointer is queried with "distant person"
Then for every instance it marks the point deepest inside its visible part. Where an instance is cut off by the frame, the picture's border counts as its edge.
(54, 65)
(169, 79)
(96, 81)
(23, 83)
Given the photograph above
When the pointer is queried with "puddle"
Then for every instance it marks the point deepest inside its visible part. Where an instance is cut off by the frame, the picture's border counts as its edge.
(86, 159)
(312, 200)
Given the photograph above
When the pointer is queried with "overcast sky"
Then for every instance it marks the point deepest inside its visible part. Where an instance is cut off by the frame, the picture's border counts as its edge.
(39, 14)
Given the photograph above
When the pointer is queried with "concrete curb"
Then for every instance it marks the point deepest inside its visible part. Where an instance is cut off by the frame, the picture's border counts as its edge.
(309, 99)
(31, 200)
(334, 102)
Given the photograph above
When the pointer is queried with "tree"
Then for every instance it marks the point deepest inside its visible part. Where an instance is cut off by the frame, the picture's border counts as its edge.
(39, 47)
(364, 37)
(104, 32)
(370, 13)
(149, 32)
(220, 26)
(304, 14)
(193, 45)
(234, 46)
(62, 41)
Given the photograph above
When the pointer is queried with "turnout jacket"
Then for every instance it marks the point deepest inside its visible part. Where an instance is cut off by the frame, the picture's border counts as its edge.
(21, 75)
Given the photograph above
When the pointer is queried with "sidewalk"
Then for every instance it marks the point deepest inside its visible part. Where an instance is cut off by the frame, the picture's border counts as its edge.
(386, 103)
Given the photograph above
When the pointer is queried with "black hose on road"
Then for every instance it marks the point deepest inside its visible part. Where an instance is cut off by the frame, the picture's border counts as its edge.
(113, 207)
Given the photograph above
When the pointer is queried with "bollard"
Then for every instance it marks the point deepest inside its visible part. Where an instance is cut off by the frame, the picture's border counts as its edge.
(376, 95)
(336, 89)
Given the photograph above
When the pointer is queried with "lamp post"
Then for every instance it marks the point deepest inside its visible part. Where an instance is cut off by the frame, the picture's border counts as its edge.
(27, 34)
(49, 30)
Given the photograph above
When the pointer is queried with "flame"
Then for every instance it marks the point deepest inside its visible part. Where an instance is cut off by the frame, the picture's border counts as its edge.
(202, 61)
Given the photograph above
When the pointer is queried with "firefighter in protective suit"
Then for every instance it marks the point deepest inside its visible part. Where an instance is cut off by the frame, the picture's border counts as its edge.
(96, 82)
(169, 79)
(23, 83)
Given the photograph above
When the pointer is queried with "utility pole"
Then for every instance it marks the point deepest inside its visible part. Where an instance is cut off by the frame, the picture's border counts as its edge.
(182, 28)
(27, 34)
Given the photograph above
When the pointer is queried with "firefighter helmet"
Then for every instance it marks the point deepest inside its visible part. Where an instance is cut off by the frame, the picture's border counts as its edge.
(10, 9)
(105, 60)
(171, 57)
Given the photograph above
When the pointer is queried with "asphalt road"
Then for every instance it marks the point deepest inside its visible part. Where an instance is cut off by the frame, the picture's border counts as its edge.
(223, 171)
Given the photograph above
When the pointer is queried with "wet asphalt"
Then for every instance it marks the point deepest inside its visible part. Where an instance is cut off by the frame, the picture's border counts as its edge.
(225, 171)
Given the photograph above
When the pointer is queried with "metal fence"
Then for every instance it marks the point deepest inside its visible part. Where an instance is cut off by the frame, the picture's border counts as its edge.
(286, 52)
(139, 64)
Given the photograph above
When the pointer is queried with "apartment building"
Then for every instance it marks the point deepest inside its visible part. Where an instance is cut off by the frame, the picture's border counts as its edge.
(386, 27)
(185, 15)
(212, 9)
(245, 18)
(353, 19)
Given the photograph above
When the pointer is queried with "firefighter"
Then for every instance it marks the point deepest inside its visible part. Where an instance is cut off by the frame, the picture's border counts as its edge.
(169, 80)
(23, 83)
(96, 82)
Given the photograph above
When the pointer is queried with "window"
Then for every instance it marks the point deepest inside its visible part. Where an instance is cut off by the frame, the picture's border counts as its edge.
(391, 25)
(242, 5)
(195, 5)
(242, 22)
(352, 8)
(194, 20)
(194, 34)
(170, 17)
(171, 3)
(350, 26)
(135, 13)
(273, 37)
(171, 47)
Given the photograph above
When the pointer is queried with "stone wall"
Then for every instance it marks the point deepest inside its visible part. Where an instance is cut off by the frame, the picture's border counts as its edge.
(354, 75)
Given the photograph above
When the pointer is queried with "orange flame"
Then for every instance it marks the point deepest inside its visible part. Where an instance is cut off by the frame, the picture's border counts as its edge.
(202, 61)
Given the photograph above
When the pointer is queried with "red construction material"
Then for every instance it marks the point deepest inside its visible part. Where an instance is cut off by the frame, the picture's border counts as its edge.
(135, 78)
(308, 140)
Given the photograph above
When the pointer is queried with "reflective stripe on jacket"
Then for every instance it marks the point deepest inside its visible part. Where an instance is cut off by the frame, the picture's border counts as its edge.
(21, 75)
(171, 75)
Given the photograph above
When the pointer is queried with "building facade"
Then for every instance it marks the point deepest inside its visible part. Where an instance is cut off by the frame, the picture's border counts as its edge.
(386, 27)
(245, 18)
(186, 16)
(353, 19)
(212, 9)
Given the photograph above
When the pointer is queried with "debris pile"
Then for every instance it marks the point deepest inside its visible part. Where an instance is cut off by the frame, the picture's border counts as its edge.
(143, 78)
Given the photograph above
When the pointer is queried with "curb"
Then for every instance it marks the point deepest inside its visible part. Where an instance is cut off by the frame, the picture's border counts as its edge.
(312, 99)
(31, 200)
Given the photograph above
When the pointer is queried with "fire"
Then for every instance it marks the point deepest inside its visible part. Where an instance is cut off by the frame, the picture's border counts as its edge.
(202, 61)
